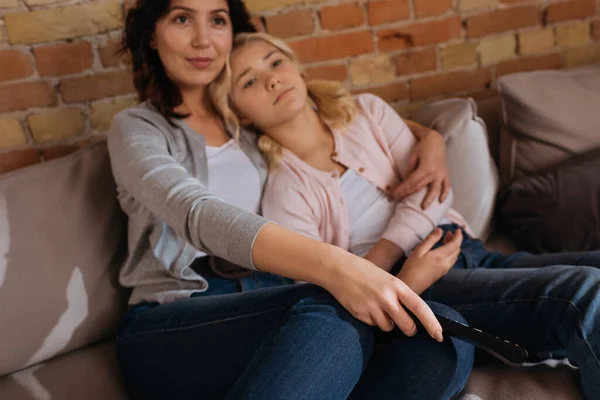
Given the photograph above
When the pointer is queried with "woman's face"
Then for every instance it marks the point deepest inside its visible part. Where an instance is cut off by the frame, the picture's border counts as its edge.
(267, 88)
(193, 40)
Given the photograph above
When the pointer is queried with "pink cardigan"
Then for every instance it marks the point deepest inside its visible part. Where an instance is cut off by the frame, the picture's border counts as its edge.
(376, 145)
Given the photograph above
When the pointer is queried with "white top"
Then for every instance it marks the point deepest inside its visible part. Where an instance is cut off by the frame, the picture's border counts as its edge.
(369, 212)
(230, 160)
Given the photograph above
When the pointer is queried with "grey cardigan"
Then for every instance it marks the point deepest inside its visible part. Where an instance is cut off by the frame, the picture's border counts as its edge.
(162, 176)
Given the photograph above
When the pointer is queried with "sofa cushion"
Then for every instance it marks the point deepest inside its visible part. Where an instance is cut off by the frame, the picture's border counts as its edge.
(61, 244)
(555, 210)
(90, 373)
(473, 173)
(548, 116)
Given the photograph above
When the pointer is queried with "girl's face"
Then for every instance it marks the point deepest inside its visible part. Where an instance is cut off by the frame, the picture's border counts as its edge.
(267, 88)
(193, 40)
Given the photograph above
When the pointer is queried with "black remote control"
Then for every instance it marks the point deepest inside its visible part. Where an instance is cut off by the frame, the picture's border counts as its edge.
(509, 353)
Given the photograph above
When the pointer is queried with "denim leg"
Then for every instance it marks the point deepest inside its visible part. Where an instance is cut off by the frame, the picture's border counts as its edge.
(418, 367)
(286, 342)
(552, 312)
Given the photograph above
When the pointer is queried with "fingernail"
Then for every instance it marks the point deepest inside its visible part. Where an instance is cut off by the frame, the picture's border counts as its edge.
(413, 332)
(438, 336)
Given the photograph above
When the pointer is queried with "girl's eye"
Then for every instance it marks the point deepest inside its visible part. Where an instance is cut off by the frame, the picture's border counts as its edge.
(277, 63)
(249, 83)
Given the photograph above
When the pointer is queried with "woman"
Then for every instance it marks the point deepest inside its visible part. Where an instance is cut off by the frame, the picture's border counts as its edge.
(197, 326)
(329, 148)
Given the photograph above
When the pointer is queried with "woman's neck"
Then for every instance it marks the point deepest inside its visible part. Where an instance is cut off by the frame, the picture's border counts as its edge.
(306, 135)
(197, 103)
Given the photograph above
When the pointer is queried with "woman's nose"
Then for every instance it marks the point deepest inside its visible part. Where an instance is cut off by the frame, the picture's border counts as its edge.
(201, 37)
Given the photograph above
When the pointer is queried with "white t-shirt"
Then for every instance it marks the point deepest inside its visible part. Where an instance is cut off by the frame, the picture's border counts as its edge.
(233, 177)
(369, 212)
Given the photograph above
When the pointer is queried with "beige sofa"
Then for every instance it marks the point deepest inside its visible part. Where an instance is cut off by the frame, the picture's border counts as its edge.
(62, 239)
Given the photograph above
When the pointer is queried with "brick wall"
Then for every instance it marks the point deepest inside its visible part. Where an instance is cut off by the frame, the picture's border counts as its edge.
(60, 83)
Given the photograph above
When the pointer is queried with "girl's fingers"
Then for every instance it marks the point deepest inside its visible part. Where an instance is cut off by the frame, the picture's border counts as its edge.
(453, 245)
(426, 245)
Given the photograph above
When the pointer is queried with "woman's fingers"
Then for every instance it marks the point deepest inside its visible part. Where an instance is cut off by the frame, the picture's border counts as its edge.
(426, 245)
(445, 189)
(415, 182)
(434, 191)
(382, 320)
(420, 309)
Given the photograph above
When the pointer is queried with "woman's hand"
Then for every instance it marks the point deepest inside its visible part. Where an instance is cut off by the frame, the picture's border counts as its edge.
(424, 266)
(377, 298)
(427, 166)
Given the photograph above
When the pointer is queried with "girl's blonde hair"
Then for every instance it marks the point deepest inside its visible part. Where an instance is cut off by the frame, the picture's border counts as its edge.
(332, 101)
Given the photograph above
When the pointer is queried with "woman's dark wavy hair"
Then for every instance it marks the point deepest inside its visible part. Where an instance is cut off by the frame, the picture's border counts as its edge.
(149, 77)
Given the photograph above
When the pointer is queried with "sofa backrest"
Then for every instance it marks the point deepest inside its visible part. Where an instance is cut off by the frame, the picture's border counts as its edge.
(62, 238)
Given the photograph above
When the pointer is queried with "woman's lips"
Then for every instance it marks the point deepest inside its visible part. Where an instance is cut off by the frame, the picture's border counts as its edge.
(282, 95)
(200, 62)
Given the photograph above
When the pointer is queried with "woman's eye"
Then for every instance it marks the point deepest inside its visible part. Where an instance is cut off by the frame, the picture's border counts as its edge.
(249, 83)
(182, 19)
(220, 21)
(277, 63)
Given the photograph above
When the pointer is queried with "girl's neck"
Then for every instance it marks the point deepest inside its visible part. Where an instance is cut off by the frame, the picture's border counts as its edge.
(306, 135)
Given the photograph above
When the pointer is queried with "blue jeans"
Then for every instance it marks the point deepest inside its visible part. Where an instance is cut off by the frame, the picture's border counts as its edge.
(549, 304)
(263, 337)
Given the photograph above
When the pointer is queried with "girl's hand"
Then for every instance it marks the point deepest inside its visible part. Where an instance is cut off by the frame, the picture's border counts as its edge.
(377, 298)
(424, 266)
(428, 168)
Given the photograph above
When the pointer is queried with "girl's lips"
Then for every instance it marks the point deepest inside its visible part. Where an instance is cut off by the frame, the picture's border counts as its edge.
(200, 63)
(282, 95)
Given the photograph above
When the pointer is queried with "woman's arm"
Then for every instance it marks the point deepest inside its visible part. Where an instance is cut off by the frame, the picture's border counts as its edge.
(146, 172)
(367, 292)
(427, 166)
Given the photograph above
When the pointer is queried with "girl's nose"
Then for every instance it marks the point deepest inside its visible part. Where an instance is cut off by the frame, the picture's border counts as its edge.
(274, 82)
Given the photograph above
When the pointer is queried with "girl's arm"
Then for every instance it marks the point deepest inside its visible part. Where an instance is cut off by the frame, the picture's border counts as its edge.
(369, 293)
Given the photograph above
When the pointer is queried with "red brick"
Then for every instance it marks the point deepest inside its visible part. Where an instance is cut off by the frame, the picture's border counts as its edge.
(596, 29)
(551, 61)
(291, 24)
(502, 20)
(333, 46)
(336, 72)
(427, 8)
(258, 23)
(449, 83)
(343, 16)
(419, 34)
(414, 61)
(15, 65)
(576, 9)
(391, 92)
(21, 96)
(18, 159)
(385, 11)
(108, 54)
(96, 86)
(62, 59)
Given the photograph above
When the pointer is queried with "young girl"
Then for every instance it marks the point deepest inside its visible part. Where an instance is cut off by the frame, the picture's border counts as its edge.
(333, 161)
